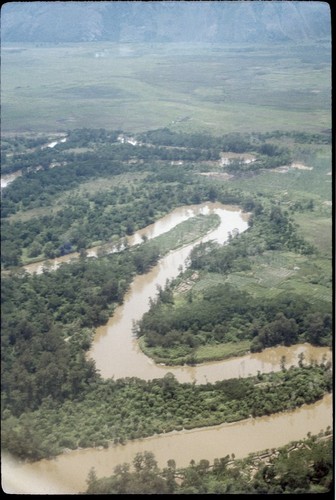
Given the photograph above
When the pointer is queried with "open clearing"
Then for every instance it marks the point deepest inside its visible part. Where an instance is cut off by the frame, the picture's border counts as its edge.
(215, 88)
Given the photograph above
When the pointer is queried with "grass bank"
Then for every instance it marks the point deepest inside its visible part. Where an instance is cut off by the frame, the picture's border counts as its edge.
(183, 355)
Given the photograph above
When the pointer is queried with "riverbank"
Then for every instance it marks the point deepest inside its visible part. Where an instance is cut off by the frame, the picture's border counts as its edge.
(202, 354)
(121, 352)
(68, 473)
(162, 226)
(115, 350)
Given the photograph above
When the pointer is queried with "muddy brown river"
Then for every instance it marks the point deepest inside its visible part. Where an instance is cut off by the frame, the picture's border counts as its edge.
(231, 218)
(116, 353)
(67, 474)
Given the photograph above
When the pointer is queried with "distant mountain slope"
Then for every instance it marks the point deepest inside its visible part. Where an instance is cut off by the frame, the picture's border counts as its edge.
(166, 21)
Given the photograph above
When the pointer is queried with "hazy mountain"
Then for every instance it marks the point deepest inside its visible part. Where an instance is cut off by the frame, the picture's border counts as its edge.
(172, 21)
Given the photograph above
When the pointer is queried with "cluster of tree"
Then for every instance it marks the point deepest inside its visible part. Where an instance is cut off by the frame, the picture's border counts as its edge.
(302, 467)
(117, 410)
(84, 220)
(324, 137)
(269, 229)
(234, 142)
(29, 152)
(224, 314)
(40, 312)
(11, 147)
(105, 215)
(48, 317)
(165, 144)
(101, 216)
(102, 146)
(90, 137)
(270, 155)
(39, 188)
(40, 184)
(106, 156)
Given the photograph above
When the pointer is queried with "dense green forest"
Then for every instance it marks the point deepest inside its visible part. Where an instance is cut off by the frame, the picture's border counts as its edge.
(94, 189)
(108, 411)
(299, 468)
(48, 319)
(77, 222)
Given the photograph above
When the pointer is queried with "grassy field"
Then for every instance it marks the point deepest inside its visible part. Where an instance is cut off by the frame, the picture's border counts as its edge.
(139, 87)
(317, 230)
(185, 232)
(221, 351)
(296, 184)
(181, 355)
(277, 273)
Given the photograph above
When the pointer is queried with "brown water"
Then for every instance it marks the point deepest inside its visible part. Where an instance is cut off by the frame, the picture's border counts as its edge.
(117, 354)
(162, 226)
(115, 350)
(67, 474)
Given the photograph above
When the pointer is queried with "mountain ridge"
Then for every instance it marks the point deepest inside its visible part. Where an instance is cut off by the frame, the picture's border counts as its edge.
(243, 21)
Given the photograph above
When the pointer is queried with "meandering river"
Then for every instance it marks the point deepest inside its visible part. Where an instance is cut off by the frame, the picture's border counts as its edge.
(117, 354)
(231, 218)
(67, 474)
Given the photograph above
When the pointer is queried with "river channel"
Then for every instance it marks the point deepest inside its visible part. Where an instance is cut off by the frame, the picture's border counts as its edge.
(9, 178)
(67, 474)
(116, 353)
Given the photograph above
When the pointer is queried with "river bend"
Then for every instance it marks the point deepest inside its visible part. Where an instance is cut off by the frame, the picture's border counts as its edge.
(116, 353)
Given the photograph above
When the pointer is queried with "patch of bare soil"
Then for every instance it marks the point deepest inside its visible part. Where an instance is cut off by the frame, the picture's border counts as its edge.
(217, 175)
(286, 168)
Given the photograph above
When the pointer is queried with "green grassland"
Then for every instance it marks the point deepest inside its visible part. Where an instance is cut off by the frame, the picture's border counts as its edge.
(215, 88)
(279, 272)
(275, 273)
(181, 355)
(317, 230)
(185, 232)
(296, 184)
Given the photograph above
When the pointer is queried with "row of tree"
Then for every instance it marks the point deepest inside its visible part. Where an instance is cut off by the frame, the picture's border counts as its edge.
(302, 467)
(104, 153)
(113, 411)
